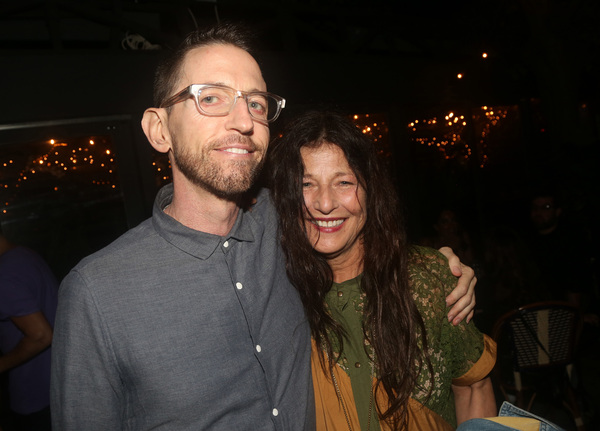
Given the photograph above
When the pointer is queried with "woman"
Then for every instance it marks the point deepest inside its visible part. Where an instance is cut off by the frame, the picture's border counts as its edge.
(382, 346)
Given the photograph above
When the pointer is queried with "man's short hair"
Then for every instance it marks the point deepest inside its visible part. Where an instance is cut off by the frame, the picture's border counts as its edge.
(168, 72)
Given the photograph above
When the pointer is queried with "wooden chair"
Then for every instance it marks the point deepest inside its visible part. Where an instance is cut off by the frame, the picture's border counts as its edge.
(540, 340)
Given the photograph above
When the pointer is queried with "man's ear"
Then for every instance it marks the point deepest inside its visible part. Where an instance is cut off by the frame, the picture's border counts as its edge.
(154, 124)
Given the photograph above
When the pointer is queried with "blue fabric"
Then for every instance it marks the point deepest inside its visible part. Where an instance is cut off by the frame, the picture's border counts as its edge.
(27, 286)
(507, 409)
(169, 328)
(483, 425)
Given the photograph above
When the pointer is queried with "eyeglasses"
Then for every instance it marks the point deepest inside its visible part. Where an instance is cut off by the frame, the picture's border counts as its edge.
(216, 100)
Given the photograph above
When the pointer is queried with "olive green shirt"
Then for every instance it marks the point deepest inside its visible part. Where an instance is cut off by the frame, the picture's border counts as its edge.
(452, 349)
(346, 307)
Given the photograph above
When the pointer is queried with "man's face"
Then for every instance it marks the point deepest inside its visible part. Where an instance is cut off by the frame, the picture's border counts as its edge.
(544, 213)
(220, 154)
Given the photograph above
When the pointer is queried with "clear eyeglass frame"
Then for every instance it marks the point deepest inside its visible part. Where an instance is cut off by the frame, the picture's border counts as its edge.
(195, 90)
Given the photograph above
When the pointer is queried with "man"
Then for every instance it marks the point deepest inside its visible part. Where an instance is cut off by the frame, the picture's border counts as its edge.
(559, 251)
(28, 297)
(188, 321)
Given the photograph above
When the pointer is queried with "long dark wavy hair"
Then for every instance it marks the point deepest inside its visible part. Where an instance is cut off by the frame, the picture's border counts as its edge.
(392, 323)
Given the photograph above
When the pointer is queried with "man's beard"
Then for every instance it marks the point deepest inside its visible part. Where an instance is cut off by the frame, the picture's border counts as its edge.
(226, 179)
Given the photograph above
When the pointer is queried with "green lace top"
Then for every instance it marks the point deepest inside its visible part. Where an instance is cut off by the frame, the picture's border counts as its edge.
(452, 349)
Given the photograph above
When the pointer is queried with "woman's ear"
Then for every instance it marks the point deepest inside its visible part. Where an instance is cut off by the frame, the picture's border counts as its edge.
(156, 129)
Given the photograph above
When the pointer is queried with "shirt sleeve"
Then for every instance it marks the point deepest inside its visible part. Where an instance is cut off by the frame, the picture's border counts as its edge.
(482, 367)
(462, 346)
(85, 385)
(464, 343)
(16, 288)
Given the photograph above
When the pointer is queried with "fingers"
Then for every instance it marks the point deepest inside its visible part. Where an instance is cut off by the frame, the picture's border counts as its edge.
(463, 309)
(471, 314)
(453, 261)
(464, 286)
(462, 298)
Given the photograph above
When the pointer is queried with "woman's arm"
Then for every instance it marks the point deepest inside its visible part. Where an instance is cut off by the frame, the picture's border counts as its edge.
(474, 401)
(463, 295)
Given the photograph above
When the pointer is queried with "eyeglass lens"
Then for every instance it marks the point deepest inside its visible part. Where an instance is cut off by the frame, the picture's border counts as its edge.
(218, 101)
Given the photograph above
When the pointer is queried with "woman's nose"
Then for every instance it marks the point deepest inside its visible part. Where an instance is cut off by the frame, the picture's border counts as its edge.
(325, 201)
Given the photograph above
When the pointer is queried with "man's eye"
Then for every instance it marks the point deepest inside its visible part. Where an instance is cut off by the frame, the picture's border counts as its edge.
(256, 106)
(208, 100)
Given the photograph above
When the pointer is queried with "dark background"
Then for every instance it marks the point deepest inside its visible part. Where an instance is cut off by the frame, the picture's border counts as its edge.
(75, 68)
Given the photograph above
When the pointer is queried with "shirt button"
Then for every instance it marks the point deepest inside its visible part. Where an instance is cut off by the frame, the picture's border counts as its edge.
(258, 348)
(226, 244)
(340, 293)
(357, 365)
(275, 412)
(238, 285)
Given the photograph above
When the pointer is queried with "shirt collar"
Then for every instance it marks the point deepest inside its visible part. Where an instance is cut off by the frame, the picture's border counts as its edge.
(191, 241)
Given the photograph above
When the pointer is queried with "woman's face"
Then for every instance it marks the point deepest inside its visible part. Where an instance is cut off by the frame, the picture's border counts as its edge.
(336, 203)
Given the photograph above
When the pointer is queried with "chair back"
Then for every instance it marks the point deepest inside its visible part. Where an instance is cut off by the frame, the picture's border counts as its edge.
(539, 340)
(541, 335)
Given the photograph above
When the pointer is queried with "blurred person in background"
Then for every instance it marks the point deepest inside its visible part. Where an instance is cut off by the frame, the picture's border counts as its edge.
(28, 300)
(449, 232)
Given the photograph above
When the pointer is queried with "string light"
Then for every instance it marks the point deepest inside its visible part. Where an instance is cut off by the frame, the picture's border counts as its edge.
(60, 163)
(374, 126)
(96, 159)
(162, 168)
(447, 137)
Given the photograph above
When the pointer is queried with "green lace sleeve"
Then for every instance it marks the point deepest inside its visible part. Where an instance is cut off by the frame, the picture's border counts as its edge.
(453, 349)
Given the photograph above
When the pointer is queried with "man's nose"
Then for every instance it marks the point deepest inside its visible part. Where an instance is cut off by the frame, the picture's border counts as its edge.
(239, 118)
